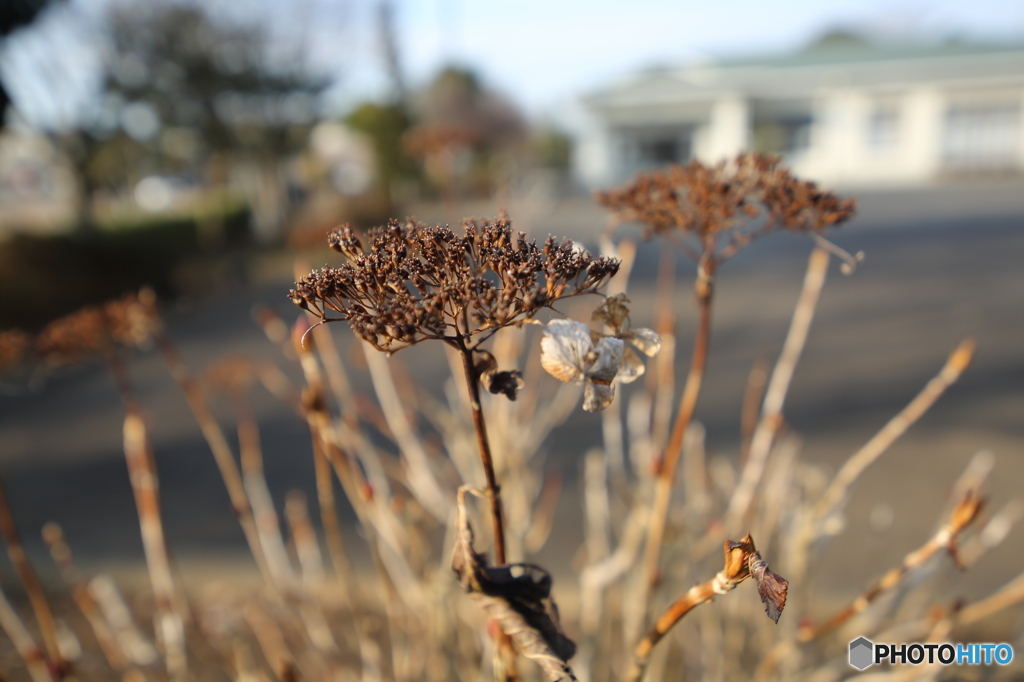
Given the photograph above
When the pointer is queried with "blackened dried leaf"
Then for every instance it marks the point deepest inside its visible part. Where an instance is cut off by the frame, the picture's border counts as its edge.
(771, 587)
(518, 598)
(506, 382)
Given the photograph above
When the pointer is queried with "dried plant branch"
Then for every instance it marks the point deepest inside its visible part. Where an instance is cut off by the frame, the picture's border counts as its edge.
(105, 635)
(691, 390)
(838, 489)
(965, 512)
(23, 642)
(1008, 595)
(420, 477)
(142, 473)
(480, 426)
(742, 561)
(27, 575)
(778, 386)
(304, 536)
(234, 377)
(217, 442)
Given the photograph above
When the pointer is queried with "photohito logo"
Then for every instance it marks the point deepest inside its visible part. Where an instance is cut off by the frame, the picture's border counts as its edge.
(864, 653)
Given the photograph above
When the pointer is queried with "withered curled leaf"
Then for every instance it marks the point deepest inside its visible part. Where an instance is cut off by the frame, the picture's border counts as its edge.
(517, 597)
(771, 587)
(505, 382)
(613, 312)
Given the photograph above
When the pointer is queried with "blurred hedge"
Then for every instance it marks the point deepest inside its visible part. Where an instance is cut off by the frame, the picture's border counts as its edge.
(44, 277)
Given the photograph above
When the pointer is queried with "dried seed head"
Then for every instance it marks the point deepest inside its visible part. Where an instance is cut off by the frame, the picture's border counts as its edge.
(130, 321)
(417, 282)
(726, 206)
(14, 349)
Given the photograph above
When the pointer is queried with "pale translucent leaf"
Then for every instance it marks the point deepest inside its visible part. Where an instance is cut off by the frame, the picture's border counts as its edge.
(596, 397)
(632, 366)
(646, 340)
(609, 358)
(565, 349)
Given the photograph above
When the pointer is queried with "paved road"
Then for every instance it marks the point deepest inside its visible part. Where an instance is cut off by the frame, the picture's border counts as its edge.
(941, 265)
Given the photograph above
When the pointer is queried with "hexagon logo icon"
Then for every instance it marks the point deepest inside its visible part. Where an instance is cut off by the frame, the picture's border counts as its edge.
(862, 653)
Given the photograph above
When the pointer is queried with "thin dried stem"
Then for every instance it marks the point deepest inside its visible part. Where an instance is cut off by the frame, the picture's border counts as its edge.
(142, 472)
(36, 597)
(268, 528)
(687, 405)
(741, 562)
(778, 386)
(1010, 594)
(304, 536)
(86, 603)
(480, 426)
(143, 476)
(837, 490)
(420, 479)
(219, 446)
(945, 539)
(23, 642)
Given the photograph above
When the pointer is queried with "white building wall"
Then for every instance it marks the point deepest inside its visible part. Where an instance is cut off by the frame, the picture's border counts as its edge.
(921, 132)
(728, 131)
(593, 155)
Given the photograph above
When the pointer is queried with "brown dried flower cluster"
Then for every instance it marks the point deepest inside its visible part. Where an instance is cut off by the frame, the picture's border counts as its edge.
(14, 348)
(728, 205)
(93, 330)
(417, 282)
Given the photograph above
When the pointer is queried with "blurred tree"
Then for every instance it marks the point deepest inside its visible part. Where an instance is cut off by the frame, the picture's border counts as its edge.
(384, 125)
(205, 96)
(15, 14)
(200, 97)
(465, 133)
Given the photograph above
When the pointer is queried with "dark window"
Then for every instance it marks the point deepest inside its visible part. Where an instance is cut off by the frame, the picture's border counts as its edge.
(660, 151)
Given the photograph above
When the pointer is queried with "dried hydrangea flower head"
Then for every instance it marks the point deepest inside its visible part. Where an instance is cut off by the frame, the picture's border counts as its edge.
(14, 349)
(726, 206)
(572, 351)
(615, 313)
(416, 283)
(129, 321)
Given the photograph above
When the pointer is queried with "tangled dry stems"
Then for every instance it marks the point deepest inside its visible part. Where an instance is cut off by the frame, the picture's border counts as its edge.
(415, 284)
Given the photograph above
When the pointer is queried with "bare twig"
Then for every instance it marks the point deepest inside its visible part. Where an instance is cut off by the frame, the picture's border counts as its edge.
(837, 490)
(741, 562)
(667, 469)
(36, 597)
(778, 386)
(945, 539)
(142, 473)
(23, 642)
(219, 446)
(105, 636)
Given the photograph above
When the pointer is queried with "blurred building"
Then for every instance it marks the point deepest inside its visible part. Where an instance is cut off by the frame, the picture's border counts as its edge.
(843, 111)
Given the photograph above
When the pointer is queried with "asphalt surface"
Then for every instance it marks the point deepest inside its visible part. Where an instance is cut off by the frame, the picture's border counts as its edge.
(941, 265)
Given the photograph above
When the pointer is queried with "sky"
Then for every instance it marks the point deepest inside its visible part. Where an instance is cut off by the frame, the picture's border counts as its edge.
(542, 54)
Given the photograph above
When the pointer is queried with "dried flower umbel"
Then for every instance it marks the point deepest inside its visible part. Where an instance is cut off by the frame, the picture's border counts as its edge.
(95, 330)
(720, 209)
(417, 283)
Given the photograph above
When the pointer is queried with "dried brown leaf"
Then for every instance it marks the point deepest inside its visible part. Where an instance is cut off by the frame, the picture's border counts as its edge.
(517, 597)
(771, 587)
